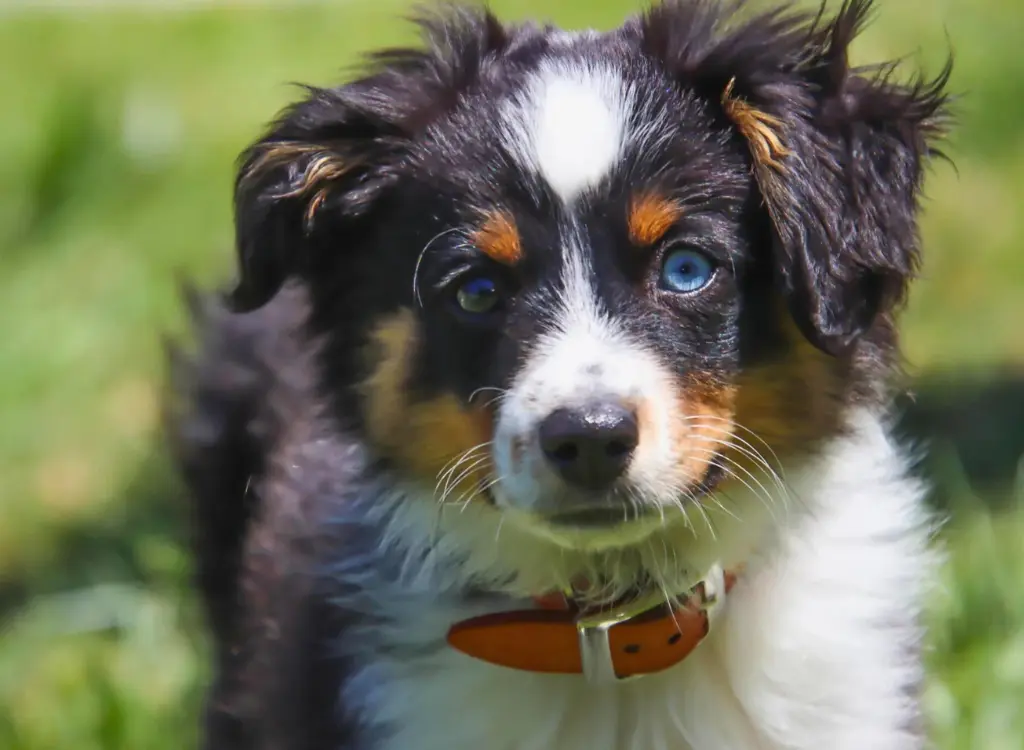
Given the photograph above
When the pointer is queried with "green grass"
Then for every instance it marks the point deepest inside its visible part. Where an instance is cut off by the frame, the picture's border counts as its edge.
(116, 158)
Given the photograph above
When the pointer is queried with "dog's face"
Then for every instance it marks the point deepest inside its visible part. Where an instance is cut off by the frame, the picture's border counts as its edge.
(587, 279)
(574, 328)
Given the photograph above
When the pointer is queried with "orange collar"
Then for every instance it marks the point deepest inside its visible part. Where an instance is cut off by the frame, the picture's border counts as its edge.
(640, 638)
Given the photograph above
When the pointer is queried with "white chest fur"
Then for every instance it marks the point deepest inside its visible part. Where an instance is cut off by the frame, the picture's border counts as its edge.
(816, 648)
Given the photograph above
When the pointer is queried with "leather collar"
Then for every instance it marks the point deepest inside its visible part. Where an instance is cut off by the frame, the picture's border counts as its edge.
(640, 637)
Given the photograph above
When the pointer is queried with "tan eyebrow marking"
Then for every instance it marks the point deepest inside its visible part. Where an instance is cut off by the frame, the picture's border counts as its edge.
(760, 129)
(498, 238)
(650, 216)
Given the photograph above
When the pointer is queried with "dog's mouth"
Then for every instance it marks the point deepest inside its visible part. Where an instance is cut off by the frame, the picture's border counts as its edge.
(612, 512)
(595, 518)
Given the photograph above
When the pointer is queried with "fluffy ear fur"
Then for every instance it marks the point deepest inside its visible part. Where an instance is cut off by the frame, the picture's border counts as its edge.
(328, 159)
(838, 153)
(326, 154)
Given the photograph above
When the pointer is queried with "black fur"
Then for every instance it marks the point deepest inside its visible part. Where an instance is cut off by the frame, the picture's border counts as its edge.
(323, 255)
(844, 211)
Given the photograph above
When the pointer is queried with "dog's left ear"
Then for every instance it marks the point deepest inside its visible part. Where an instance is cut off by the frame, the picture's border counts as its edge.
(839, 160)
(838, 153)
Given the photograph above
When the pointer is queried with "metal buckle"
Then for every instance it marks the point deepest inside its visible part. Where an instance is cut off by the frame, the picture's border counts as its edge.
(592, 630)
(714, 593)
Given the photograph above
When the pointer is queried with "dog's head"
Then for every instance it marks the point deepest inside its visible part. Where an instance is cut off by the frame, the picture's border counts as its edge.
(584, 278)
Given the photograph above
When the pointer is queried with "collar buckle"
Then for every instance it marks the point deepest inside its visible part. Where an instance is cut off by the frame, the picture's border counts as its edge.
(592, 629)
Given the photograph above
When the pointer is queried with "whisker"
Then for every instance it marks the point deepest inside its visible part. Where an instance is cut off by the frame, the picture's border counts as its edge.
(753, 477)
(500, 391)
(699, 506)
(490, 402)
(657, 572)
(467, 497)
(718, 503)
(635, 501)
(747, 449)
(678, 504)
(737, 426)
(452, 463)
(763, 495)
(474, 492)
(419, 260)
(445, 473)
(450, 486)
(716, 422)
(661, 511)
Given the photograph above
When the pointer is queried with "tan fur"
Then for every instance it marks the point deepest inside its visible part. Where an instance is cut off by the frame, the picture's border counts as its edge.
(761, 130)
(776, 411)
(703, 413)
(324, 168)
(793, 403)
(650, 216)
(498, 238)
(424, 437)
(789, 404)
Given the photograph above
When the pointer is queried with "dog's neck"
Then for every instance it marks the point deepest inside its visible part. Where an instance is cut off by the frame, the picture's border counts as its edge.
(474, 552)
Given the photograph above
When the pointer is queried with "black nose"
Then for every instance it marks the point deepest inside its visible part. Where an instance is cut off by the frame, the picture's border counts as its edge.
(590, 447)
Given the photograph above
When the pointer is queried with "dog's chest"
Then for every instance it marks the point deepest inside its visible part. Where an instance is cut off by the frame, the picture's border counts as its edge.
(816, 647)
(448, 700)
(804, 655)
(432, 698)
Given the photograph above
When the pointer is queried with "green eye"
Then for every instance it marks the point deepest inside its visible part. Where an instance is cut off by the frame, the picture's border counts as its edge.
(478, 296)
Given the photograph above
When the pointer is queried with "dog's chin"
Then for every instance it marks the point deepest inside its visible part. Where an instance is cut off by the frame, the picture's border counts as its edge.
(589, 529)
(610, 523)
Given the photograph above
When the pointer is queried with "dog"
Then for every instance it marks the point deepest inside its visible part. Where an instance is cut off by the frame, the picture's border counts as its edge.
(552, 407)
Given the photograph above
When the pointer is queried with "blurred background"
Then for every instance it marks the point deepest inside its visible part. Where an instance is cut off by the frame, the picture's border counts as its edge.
(121, 121)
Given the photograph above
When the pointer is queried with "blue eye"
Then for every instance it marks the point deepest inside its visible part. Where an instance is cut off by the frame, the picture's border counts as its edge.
(686, 271)
(479, 295)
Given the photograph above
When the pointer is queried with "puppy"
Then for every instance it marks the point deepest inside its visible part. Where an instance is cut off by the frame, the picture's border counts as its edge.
(550, 408)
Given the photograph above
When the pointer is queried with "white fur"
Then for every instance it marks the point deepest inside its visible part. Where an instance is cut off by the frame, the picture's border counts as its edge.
(814, 650)
(584, 358)
(569, 126)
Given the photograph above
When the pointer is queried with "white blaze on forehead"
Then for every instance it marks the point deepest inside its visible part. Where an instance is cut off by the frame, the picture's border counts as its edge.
(569, 125)
(584, 355)
(584, 358)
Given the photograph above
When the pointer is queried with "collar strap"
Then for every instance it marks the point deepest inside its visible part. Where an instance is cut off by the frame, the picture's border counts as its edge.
(631, 640)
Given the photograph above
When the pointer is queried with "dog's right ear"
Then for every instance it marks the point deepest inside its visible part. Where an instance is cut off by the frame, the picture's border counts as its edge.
(324, 154)
(329, 158)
